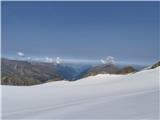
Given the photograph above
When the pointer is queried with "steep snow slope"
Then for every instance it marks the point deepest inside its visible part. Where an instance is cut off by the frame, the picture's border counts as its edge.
(133, 96)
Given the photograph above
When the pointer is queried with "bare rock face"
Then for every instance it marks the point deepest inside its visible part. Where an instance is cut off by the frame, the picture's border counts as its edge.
(25, 73)
(103, 69)
(110, 69)
(126, 70)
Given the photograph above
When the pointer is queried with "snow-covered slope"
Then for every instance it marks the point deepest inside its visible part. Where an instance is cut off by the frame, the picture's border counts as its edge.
(133, 96)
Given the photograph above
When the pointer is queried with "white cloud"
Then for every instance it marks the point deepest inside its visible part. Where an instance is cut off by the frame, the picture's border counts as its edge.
(49, 60)
(108, 60)
(21, 54)
(57, 60)
(103, 61)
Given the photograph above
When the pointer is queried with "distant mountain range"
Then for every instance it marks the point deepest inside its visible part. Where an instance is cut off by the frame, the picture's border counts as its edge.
(15, 72)
(72, 72)
(26, 73)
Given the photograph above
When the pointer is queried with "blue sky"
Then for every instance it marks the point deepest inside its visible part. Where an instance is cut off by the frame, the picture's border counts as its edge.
(82, 30)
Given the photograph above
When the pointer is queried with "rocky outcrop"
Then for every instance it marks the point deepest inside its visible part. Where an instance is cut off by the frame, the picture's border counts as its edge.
(109, 69)
(155, 65)
(102, 69)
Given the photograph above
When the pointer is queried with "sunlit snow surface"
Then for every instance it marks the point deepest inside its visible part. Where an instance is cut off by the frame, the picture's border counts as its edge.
(133, 96)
